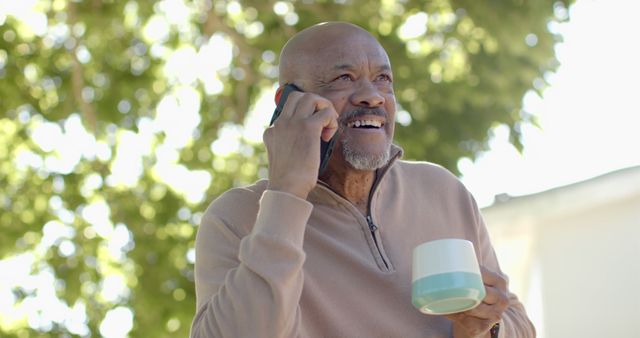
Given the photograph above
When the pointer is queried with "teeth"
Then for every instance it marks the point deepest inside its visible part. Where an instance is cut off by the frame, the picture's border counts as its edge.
(363, 123)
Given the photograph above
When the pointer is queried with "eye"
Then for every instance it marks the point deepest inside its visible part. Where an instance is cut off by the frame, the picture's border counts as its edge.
(344, 77)
(384, 77)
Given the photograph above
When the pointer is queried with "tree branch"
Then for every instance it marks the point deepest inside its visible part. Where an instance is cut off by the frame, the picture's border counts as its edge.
(77, 77)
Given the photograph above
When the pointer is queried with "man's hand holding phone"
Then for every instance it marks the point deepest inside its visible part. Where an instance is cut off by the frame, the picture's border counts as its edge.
(292, 142)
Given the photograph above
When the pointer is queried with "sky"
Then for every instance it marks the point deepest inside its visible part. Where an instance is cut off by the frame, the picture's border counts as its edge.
(589, 115)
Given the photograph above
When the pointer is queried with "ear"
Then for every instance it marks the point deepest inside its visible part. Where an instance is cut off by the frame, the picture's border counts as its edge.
(278, 94)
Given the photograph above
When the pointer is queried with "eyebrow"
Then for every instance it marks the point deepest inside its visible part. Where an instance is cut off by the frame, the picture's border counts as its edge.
(343, 66)
(346, 66)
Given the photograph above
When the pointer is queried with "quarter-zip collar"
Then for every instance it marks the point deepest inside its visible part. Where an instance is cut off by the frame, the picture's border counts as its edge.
(323, 194)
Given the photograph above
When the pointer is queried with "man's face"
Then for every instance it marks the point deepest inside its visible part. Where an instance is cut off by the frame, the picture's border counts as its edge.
(354, 73)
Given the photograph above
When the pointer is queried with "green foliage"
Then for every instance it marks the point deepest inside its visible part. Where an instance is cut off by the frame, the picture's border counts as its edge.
(103, 63)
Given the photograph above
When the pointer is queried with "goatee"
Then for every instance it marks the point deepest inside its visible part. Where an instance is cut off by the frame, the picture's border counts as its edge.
(365, 161)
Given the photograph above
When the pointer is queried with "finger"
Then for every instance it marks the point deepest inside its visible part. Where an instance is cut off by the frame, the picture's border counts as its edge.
(290, 105)
(476, 327)
(482, 311)
(485, 312)
(306, 106)
(492, 306)
(472, 324)
(328, 118)
(455, 317)
(311, 104)
(303, 105)
(491, 295)
(492, 278)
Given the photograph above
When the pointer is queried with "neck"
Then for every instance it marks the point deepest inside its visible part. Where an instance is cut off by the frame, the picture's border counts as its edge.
(354, 185)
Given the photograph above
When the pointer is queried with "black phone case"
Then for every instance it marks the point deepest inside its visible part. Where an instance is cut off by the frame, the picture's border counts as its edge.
(325, 147)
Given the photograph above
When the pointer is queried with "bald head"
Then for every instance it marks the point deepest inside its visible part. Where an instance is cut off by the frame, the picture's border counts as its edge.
(346, 65)
(308, 47)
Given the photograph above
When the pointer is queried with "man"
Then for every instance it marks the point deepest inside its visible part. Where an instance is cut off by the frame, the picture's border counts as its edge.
(330, 256)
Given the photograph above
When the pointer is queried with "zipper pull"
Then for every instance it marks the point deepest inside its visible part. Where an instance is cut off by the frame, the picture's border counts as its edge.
(372, 226)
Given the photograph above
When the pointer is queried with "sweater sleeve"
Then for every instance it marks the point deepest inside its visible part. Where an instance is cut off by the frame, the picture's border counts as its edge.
(515, 323)
(251, 286)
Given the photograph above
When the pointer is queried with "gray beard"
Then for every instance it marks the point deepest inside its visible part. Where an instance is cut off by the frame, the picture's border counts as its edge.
(363, 161)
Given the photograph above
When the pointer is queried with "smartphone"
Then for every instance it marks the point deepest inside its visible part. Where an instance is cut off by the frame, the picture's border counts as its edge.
(325, 147)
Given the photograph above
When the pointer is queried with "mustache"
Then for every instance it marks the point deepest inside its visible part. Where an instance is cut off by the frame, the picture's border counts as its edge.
(360, 111)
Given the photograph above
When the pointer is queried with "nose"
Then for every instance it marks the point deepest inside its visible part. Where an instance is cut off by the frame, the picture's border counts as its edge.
(367, 95)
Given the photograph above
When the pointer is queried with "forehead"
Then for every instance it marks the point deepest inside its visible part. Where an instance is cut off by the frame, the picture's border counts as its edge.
(354, 51)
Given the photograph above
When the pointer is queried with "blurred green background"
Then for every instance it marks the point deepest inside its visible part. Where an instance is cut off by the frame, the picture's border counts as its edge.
(121, 120)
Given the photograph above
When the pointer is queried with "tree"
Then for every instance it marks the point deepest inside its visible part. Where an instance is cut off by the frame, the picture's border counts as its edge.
(112, 142)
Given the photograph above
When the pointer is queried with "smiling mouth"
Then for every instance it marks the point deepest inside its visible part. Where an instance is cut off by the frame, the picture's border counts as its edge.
(365, 124)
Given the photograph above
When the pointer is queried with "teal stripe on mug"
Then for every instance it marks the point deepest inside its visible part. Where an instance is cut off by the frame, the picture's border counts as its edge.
(447, 292)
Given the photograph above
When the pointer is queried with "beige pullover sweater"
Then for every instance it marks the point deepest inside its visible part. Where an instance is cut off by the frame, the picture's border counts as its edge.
(269, 264)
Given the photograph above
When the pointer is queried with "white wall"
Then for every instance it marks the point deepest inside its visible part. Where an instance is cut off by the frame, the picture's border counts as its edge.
(573, 255)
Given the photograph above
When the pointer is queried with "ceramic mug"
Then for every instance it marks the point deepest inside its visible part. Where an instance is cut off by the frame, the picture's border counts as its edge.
(446, 277)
